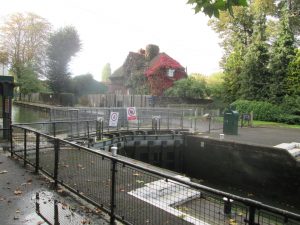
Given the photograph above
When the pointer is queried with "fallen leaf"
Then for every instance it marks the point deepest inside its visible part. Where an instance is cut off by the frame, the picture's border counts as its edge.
(17, 192)
(40, 222)
(18, 211)
(3, 171)
(60, 190)
(136, 174)
(97, 210)
(139, 181)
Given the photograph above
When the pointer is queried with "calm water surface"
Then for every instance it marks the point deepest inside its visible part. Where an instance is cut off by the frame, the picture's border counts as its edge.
(27, 115)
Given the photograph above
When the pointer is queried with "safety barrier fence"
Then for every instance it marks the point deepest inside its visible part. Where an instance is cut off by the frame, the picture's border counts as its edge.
(133, 192)
(80, 127)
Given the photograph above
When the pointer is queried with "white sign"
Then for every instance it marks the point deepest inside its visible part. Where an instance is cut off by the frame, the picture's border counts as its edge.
(113, 119)
(131, 113)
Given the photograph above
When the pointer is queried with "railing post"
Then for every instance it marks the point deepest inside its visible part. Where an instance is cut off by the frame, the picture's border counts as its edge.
(56, 161)
(37, 202)
(54, 129)
(209, 123)
(251, 220)
(56, 216)
(25, 146)
(168, 122)
(37, 153)
(182, 120)
(88, 133)
(113, 191)
(11, 142)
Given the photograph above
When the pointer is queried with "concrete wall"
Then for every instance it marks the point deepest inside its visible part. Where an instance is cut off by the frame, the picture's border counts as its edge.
(265, 171)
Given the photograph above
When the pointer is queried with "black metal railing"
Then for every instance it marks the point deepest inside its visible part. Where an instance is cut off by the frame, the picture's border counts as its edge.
(137, 193)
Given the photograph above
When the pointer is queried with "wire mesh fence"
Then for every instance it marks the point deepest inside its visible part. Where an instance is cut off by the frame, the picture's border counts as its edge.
(138, 193)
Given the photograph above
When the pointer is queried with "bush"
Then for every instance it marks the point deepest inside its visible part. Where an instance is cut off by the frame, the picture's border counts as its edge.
(67, 99)
(261, 110)
(289, 119)
(291, 104)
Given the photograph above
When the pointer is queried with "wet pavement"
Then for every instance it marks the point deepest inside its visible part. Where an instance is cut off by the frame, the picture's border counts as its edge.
(18, 189)
(267, 136)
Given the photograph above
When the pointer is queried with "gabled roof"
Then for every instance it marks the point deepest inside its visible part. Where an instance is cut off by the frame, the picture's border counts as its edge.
(162, 60)
(133, 61)
(118, 73)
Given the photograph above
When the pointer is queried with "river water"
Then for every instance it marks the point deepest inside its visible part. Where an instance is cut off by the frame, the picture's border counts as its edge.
(27, 115)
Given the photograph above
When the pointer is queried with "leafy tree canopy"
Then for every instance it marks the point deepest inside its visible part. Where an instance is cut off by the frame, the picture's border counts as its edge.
(63, 45)
(188, 88)
(29, 83)
(213, 7)
(24, 39)
(106, 72)
(85, 84)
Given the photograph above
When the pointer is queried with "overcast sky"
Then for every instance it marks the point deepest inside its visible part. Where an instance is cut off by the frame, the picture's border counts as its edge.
(109, 29)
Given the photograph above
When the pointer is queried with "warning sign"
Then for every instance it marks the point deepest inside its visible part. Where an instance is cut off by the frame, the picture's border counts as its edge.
(113, 119)
(131, 114)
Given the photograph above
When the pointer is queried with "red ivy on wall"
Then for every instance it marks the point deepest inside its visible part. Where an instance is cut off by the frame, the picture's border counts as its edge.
(157, 74)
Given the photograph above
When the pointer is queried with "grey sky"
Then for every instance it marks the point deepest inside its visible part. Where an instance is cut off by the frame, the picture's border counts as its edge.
(110, 29)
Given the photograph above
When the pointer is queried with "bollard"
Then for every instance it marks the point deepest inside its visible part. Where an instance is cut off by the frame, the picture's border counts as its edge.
(227, 206)
(114, 151)
(221, 136)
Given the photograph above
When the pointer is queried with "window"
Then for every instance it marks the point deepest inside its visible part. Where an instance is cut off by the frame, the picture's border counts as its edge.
(171, 72)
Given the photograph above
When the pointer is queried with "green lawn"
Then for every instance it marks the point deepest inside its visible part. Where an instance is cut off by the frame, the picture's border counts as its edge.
(257, 123)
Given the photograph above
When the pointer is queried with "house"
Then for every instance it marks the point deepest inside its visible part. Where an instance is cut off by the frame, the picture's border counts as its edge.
(146, 72)
(163, 71)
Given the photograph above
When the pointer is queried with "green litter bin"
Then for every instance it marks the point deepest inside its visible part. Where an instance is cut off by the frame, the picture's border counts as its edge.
(231, 122)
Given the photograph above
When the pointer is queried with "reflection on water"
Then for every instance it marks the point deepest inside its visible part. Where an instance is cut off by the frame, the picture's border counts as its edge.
(27, 115)
(57, 212)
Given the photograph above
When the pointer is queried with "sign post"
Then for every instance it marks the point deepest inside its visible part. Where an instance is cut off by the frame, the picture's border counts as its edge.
(131, 114)
(113, 119)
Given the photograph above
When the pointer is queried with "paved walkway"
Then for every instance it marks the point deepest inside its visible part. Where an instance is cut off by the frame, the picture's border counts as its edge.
(267, 136)
(18, 188)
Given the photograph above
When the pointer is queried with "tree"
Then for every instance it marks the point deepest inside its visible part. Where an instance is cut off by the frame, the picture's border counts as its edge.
(283, 52)
(188, 88)
(293, 79)
(213, 8)
(106, 72)
(63, 45)
(255, 77)
(24, 39)
(293, 7)
(29, 82)
(85, 84)
(235, 32)
(215, 87)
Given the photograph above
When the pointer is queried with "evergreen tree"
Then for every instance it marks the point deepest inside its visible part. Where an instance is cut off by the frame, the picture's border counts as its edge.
(255, 75)
(106, 72)
(293, 80)
(282, 52)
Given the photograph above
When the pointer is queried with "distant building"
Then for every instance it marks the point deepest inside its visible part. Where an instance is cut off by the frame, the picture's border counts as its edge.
(157, 70)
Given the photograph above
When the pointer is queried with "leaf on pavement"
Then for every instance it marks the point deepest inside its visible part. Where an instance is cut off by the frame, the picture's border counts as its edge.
(17, 192)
